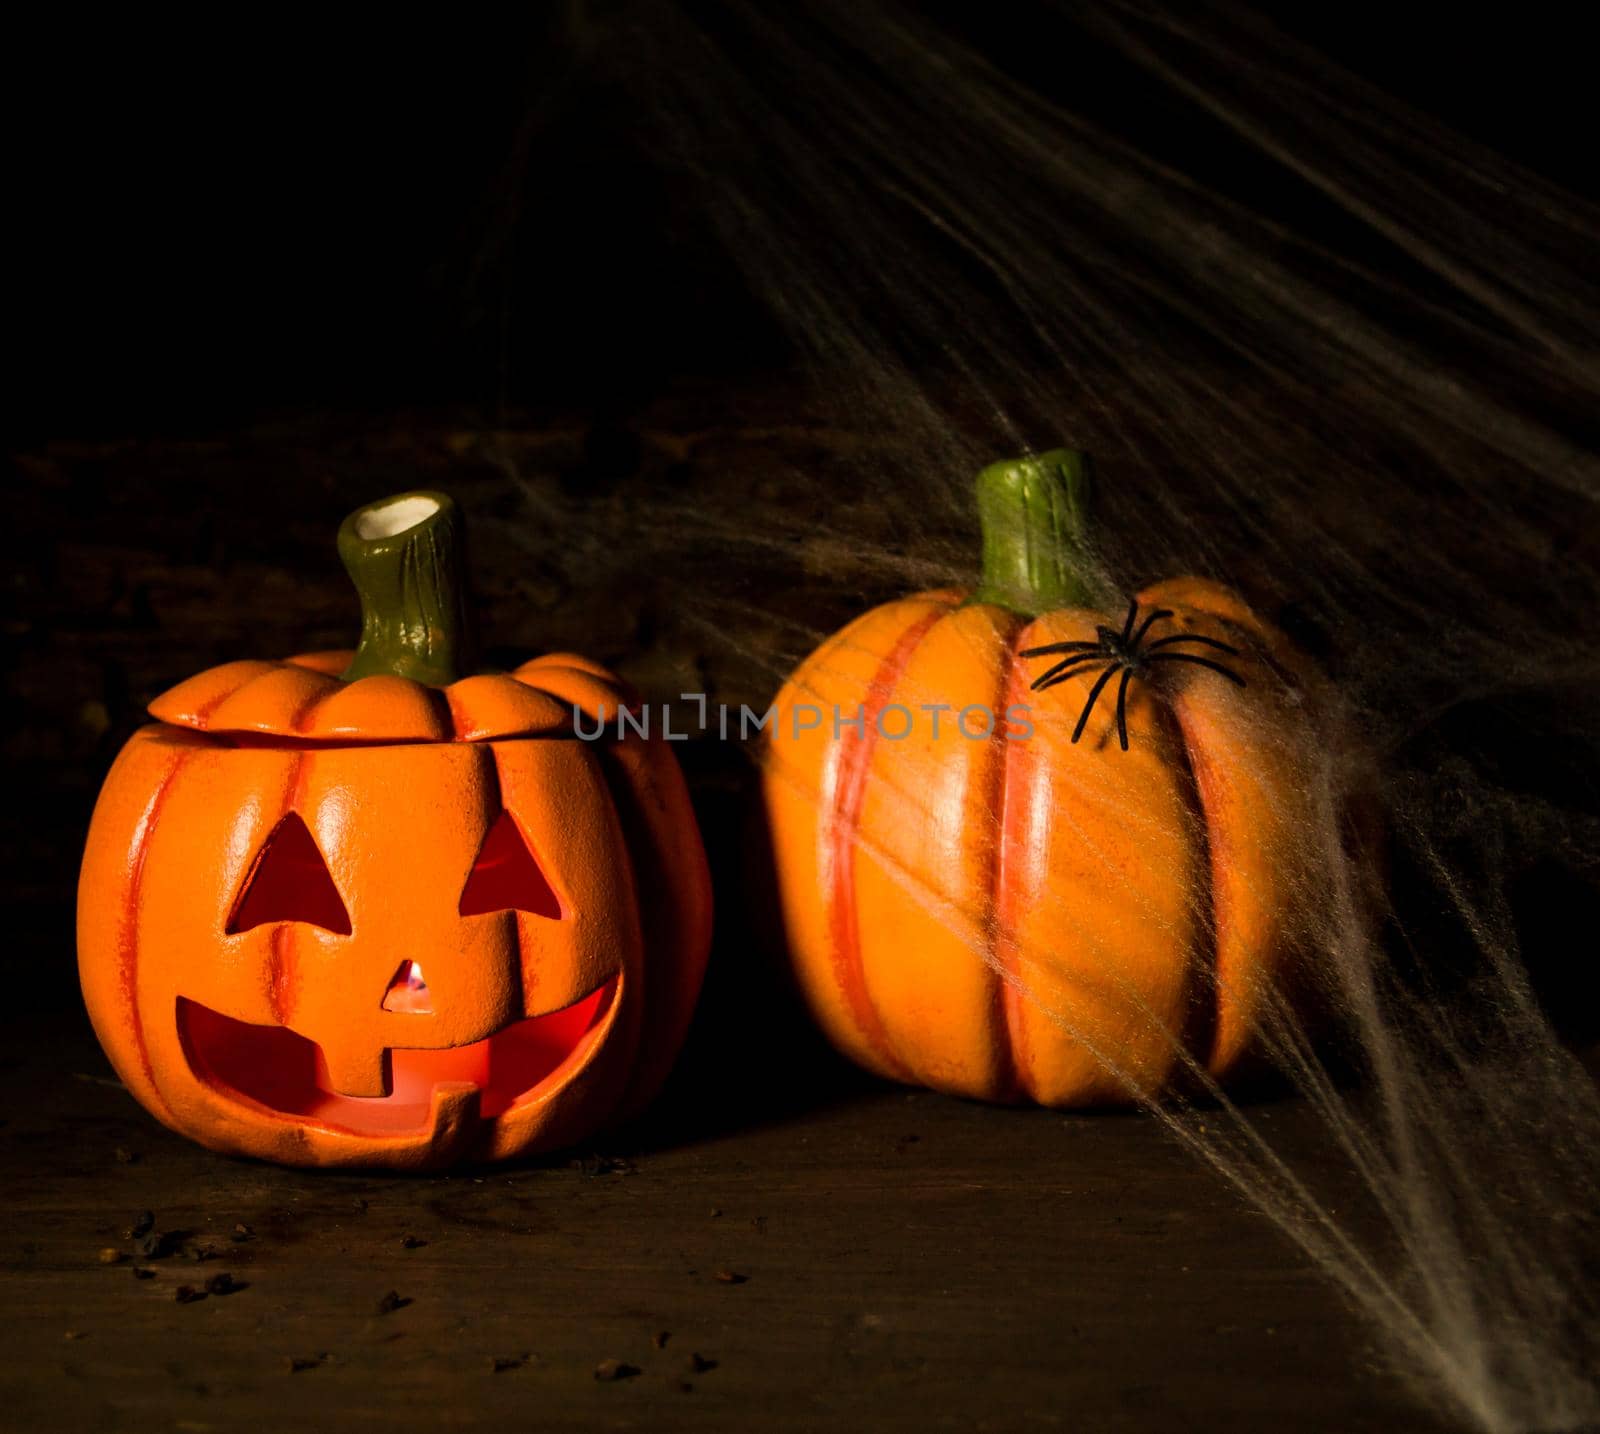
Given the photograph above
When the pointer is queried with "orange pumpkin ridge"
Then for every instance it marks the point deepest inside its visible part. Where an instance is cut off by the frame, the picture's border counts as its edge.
(995, 912)
(1014, 771)
(133, 902)
(491, 760)
(845, 787)
(652, 804)
(1199, 1033)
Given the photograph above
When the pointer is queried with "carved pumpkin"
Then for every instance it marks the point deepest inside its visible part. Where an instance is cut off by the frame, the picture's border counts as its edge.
(357, 909)
(1051, 894)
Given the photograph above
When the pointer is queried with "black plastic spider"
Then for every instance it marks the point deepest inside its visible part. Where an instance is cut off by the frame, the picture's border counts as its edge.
(1126, 651)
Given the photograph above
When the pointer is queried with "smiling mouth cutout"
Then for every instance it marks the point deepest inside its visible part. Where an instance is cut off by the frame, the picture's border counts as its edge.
(274, 1067)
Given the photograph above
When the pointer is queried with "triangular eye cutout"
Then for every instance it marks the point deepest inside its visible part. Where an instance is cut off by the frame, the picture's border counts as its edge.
(408, 992)
(290, 882)
(505, 876)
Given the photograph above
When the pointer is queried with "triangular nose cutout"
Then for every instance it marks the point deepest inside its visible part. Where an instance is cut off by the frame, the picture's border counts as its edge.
(506, 876)
(408, 992)
(290, 882)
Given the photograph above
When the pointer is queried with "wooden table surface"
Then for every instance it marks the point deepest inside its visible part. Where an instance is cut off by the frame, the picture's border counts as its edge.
(872, 1259)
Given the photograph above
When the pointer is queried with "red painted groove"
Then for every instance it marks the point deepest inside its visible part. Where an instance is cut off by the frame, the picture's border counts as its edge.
(280, 742)
(282, 969)
(128, 943)
(305, 711)
(1197, 771)
(840, 828)
(1009, 1012)
(280, 963)
(460, 719)
(202, 713)
(443, 711)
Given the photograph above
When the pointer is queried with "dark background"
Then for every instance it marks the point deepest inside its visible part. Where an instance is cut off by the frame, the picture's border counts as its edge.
(212, 224)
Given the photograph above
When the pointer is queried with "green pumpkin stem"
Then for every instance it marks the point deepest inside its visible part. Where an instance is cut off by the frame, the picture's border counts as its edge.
(406, 556)
(1034, 516)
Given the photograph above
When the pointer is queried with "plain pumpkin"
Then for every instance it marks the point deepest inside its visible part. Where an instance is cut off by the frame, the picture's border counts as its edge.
(359, 909)
(1114, 881)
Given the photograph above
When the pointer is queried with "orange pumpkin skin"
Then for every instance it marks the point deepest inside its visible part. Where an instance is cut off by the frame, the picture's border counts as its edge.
(398, 783)
(1027, 918)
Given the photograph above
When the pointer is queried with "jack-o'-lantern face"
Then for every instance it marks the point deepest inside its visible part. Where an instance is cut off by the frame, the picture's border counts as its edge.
(381, 922)
(406, 951)
(439, 969)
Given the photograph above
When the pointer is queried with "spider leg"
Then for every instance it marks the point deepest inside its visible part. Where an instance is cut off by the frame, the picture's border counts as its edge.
(1192, 637)
(1201, 661)
(1122, 708)
(1059, 672)
(1053, 647)
(1144, 626)
(1094, 696)
(1133, 612)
